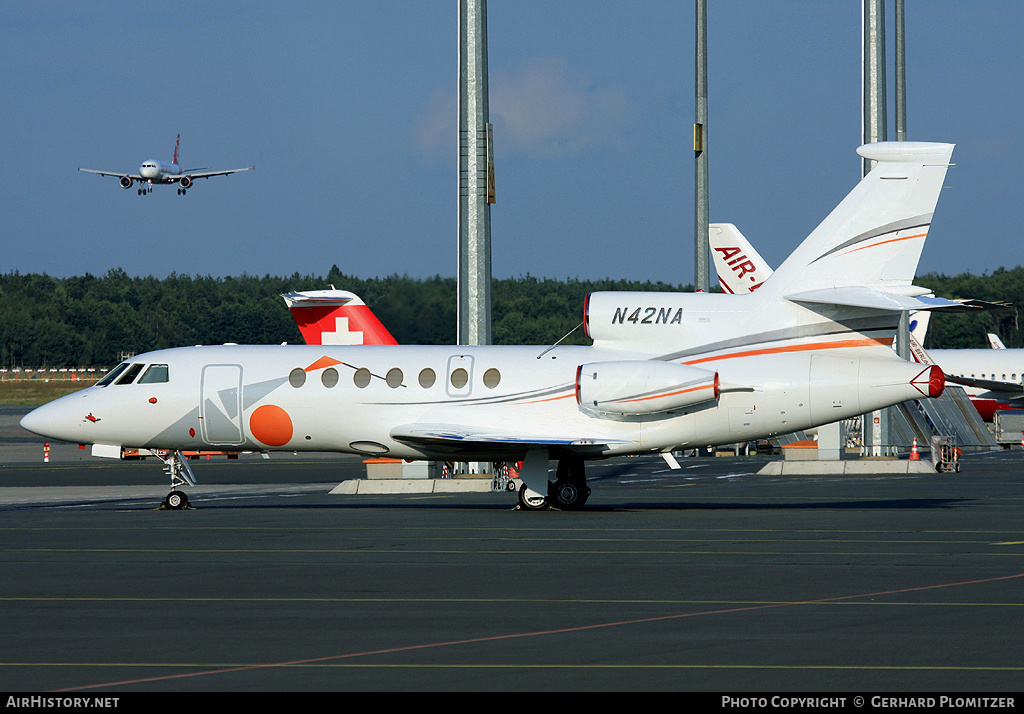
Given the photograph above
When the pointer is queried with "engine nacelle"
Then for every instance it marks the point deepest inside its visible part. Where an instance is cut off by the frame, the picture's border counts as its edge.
(186, 182)
(643, 386)
(126, 182)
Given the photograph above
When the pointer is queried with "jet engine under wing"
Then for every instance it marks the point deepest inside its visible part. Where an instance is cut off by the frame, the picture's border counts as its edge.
(857, 296)
(455, 440)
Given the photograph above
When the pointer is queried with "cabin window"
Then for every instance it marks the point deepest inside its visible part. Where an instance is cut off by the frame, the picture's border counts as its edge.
(157, 373)
(460, 377)
(131, 374)
(491, 378)
(427, 378)
(297, 377)
(329, 377)
(112, 374)
(394, 377)
(361, 378)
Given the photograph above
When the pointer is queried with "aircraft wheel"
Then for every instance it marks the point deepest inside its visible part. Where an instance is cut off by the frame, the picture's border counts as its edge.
(569, 496)
(176, 500)
(531, 500)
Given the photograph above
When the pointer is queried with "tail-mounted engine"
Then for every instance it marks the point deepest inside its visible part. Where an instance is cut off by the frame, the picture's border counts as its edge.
(186, 182)
(642, 386)
(126, 182)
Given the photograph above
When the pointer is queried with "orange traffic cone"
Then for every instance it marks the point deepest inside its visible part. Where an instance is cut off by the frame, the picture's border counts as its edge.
(914, 456)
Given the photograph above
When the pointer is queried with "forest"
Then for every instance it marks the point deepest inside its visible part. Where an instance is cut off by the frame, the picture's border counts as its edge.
(93, 321)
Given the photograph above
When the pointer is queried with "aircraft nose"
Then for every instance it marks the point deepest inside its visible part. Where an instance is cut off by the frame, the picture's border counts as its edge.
(57, 420)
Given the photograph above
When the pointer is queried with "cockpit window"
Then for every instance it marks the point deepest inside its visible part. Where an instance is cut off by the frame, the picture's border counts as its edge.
(131, 374)
(155, 373)
(112, 374)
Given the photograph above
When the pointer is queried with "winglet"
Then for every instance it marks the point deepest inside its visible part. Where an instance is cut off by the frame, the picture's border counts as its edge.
(176, 142)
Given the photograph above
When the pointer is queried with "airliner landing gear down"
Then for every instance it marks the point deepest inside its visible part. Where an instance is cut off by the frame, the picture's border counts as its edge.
(178, 469)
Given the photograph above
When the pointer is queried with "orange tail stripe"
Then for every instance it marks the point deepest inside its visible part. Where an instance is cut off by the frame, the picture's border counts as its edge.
(891, 240)
(839, 344)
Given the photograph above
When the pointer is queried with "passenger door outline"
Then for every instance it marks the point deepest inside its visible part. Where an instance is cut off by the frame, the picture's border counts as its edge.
(220, 404)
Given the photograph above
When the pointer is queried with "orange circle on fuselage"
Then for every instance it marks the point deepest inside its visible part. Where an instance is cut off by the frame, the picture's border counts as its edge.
(271, 425)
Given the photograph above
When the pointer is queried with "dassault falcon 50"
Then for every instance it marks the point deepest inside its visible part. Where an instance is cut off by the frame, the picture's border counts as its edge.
(812, 345)
(155, 172)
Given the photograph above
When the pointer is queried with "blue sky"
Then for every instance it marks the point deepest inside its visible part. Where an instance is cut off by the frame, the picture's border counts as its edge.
(348, 112)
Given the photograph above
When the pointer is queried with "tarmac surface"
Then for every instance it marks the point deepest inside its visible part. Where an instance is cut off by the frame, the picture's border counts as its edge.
(709, 578)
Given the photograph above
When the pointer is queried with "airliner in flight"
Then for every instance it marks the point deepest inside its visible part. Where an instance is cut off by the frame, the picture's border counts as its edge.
(812, 345)
(154, 172)
(992, 378)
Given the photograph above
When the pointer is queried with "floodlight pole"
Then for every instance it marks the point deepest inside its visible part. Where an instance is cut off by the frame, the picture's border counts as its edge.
(701, 248)
(877, 426)
(476, 178)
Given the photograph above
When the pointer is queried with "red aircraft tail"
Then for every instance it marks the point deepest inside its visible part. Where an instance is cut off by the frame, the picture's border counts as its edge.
(336, 317)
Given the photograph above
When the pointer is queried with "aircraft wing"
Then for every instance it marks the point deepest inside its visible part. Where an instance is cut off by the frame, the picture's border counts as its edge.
(859, 296)
(134, 177)
(992, 385)
(464, 439)
(208, 174)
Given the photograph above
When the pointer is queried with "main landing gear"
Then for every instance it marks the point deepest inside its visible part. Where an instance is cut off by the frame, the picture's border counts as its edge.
(568, 492)
(177, 468)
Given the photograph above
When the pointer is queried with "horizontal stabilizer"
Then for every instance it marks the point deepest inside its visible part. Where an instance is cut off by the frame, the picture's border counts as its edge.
(992, 385)
(865, 297)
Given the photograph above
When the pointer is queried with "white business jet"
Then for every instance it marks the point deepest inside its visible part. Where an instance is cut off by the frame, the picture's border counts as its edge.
(993, 378)
(157, 172)
(810, 346)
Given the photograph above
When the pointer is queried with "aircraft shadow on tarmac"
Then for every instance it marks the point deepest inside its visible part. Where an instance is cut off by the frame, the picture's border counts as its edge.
(444, 503)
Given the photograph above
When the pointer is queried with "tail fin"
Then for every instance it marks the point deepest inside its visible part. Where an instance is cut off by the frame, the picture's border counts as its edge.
(176, 142)
(872, 241)
(740, 269)
(336, 317)
(919, 324)
(994, 342)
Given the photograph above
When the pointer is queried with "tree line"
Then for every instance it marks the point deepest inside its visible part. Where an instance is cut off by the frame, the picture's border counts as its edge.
(92, 321)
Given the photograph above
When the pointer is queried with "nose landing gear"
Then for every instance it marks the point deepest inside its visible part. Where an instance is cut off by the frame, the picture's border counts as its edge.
(178, 469)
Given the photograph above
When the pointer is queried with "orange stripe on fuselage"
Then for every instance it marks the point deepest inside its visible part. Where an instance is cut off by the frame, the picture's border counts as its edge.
(837, 345)
(549, 399)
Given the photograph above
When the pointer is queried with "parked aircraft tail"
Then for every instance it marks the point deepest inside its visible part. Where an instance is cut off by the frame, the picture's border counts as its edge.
(994, 342)
(843, 287)
(865, 253)
(336, 317)
(740, 269)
